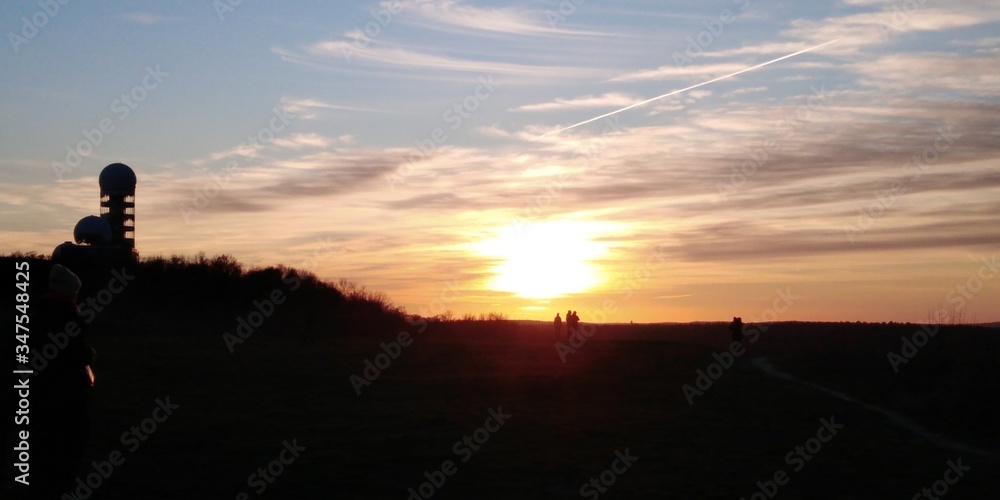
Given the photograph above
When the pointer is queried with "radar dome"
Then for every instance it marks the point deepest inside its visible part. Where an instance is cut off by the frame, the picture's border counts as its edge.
(117, 178)
(92, 230)
(61, 251)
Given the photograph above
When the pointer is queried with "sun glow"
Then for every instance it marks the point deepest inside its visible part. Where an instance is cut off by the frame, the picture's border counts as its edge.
(546, 259)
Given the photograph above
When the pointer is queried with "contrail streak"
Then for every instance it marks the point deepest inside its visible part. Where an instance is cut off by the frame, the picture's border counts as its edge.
(668, 94)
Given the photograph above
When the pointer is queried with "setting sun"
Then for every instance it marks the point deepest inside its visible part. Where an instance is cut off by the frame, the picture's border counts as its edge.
(546, 259)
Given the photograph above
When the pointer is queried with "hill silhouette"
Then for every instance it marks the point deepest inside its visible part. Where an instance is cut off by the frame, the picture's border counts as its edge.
(180, 295)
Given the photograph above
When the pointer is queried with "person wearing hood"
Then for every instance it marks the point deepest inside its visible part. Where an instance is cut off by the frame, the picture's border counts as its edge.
(60, 390)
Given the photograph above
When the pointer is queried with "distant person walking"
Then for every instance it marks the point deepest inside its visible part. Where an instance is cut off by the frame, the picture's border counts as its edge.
(572, 323)
(60, 391)
(736, 327)
(569, 323)
(557, 325)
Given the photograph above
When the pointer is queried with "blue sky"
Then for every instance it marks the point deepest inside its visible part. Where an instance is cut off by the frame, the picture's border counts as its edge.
(400, 145)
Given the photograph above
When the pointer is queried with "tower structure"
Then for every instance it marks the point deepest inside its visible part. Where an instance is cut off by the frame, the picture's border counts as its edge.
(118, 204)
(107, 243)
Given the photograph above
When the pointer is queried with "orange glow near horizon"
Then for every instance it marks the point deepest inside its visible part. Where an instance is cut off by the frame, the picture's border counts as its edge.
(545, 260)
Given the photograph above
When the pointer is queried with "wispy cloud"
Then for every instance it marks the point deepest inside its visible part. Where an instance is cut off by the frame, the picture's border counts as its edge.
(146, 18)
(588, 101)
(744, 90)
(864, 30)
(495, 131)
(300, 141)
(858, 31)
(991, 42)
(936, 71)
(386, 55)
(695, 71)
(309, 108)
(460, 16)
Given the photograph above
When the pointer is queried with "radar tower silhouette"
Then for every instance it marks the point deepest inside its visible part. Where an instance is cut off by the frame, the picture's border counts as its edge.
(117, 183)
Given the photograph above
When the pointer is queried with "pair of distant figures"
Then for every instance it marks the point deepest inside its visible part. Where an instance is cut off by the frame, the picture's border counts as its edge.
(572, 322)
(736, 327)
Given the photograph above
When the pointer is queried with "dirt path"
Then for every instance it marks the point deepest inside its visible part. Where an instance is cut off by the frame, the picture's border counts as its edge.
(899, 420)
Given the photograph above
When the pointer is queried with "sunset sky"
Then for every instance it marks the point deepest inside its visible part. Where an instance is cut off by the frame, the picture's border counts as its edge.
(409, 146)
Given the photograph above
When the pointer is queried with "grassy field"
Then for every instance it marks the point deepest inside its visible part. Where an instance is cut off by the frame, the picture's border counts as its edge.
(621, 390)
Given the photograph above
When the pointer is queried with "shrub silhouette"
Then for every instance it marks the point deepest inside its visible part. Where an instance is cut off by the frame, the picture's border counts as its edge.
(200, 294)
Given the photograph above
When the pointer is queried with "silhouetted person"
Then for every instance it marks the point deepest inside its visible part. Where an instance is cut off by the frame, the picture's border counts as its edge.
(60, 391)
(557, 325)
(737, 329)
(569, 323)
(576, 321)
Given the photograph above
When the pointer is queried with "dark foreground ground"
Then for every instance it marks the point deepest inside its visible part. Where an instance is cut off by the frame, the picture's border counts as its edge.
(620, 392)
